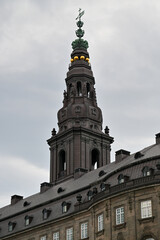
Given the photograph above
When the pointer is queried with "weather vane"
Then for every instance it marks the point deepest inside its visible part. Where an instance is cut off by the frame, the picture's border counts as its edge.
(80, 14)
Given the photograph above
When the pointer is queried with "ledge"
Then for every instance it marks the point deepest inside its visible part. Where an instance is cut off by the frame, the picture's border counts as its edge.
(84, 238)
(99, 233)
(120, 226)
(146, 220)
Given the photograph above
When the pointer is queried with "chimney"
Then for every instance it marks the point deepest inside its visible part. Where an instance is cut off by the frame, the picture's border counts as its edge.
(121, 154)
(158, 138)
(15, 199)
(45, 186)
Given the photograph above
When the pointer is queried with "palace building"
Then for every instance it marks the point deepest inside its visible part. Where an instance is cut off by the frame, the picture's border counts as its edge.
(88, 196)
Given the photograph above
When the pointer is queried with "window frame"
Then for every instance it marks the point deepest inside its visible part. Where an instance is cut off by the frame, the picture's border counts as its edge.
(84, 230)
(146, 211)
(120, 217)
(44, 237)
(56, 238)
(11, 226)
(100, 222)
(69, 236)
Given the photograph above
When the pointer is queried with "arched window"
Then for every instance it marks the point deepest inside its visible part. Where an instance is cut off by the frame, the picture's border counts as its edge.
(88, 90)
(79, 89)
(62, 162)
(95, 159)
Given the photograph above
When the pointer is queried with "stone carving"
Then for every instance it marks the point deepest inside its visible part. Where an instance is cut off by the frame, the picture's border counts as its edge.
(106, 130)
(53, 132)
(77, 109)
(93, 110)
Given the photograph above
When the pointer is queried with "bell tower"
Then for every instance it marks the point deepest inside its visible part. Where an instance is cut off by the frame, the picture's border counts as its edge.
(80, 145)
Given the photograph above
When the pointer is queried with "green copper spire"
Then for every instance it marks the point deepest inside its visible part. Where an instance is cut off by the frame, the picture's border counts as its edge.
(79, 43)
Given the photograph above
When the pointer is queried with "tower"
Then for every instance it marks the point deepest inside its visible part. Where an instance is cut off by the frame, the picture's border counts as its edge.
(80, 145)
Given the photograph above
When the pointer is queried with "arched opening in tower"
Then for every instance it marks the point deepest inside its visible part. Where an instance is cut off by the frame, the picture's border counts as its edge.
(79, 89)
(95, 159)
(88, 90)
(62, 163)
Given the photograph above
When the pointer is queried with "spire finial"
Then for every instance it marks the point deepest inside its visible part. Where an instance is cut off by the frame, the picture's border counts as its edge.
(80, 43)
(80, 14)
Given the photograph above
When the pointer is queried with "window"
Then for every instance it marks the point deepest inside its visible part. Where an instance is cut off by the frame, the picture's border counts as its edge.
(62, 163)
(84, 230)
(146, 209)
(90, 194)
(88, 90)
(95, 159)
(56, 236)
(11, 226)
(64, 207)
(103, 186)
(79, 89)
(28, 220)
(69, 234)
(46, 213)
(100, 222)
(119, 215)
(147, 171)
(121, 178)
(44, 238)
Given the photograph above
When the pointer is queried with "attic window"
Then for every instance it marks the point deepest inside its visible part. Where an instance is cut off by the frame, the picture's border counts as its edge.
(65, 207)
(147, 171)
(121, 178)
(60, 190)
(26, 204)
(138, 155)
(90, 194)
(11, 226)
(28, 220)
(46, 213)
(103, 186)
(101, 173)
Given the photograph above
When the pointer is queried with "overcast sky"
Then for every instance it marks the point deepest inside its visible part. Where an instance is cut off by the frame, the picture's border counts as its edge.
(35, 48)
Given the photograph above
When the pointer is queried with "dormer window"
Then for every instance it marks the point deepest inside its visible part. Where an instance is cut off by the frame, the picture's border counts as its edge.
(65, 207)
(11, 226)
(121, 178)
(46, 213)
(103, 186)
(90, 194)
(28, 220)
(138, 155)
(26, 203)
(147, 171)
